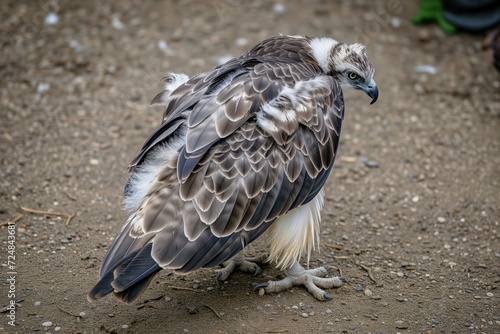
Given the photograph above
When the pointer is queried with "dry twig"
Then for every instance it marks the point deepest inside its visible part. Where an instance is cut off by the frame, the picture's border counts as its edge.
(146, 305)
(340, 270)
(15, 220)
(335, 246)
(67, 312)
(215, 312)
(368, 271)
(68, 216)
(183, 288)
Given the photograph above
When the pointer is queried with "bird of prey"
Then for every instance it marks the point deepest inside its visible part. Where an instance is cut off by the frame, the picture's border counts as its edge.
(243, 151)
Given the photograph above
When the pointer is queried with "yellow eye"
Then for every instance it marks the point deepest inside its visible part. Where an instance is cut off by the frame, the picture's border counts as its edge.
(352, 76)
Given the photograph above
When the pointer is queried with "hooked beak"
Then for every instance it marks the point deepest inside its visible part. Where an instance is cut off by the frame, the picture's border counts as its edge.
(371, 90)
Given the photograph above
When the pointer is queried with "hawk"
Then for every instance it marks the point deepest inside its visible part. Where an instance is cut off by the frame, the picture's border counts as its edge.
(243, 151)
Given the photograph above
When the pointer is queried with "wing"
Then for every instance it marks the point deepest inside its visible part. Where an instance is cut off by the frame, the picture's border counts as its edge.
(237, 186)
(260, 140)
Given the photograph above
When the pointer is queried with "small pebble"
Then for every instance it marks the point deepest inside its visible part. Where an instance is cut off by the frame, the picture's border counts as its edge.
(124, 326)
(424, 35)
(167, 299)
(37, 303)
(304, 315)
(425, 69)
(441, 220)
(395, 22)
(279, 7)
(57, 329)
(295, 307)
(368, 292)
(489, 294)
(241, 41)
(116, 23)
(82, 315)
(262, 292)
(328, 311)
(400, 324)
(42, 87)
(372, 164)
(196, 286)
(163, 45)
(51, 19)
(47, 324)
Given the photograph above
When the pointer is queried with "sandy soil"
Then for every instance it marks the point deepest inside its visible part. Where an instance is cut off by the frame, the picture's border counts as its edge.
(412, 211)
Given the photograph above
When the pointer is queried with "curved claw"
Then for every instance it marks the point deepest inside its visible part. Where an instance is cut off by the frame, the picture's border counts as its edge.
(327, 296)
(342, 278)
(219, 274)
(257, 270)
(260, 285)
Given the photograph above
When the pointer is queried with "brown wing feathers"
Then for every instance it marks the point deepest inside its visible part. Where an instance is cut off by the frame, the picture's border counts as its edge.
(231, 178)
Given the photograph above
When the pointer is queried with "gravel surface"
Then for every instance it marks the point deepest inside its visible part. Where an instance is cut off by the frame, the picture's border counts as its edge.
(412, 207)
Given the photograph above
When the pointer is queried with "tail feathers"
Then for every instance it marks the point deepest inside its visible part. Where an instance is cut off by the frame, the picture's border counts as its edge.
(102, 288)
(140, 267)
(129, 277)
(131, 294)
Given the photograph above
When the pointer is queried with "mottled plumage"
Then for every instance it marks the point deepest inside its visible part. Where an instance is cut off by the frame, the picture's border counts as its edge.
(243, 149)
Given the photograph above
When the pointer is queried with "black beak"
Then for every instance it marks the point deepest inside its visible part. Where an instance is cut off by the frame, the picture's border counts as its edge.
(371, 90)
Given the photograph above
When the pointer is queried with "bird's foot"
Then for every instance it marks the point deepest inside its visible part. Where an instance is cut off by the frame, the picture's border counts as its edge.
(313, 279)
(247, 265)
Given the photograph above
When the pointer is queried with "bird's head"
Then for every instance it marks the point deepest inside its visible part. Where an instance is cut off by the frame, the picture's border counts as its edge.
(351, 66)
(348, 63)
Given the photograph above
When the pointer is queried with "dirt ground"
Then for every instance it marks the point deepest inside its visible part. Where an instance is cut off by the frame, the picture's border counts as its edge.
(412, 206)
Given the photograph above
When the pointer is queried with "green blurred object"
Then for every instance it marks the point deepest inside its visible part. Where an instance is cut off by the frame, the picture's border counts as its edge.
(432, 10)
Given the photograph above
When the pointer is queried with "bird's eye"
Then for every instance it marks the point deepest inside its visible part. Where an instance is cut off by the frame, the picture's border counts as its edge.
(352, 76)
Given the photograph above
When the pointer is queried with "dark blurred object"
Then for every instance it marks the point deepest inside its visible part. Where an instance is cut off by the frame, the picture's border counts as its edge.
(469, 15)
(472, 15)
(492, 41)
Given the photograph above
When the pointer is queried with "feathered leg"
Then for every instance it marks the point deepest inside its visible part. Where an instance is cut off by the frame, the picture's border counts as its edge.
(313, 280)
